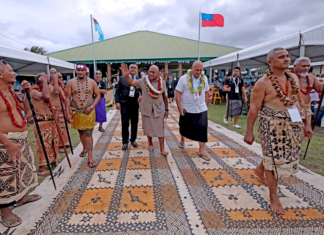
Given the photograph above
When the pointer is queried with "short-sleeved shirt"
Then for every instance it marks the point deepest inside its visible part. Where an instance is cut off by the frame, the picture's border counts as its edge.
(187, 98)
(230, 82)
(102, 86)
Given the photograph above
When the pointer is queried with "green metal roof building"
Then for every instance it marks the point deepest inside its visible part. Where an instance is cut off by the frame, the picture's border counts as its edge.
(143, 47)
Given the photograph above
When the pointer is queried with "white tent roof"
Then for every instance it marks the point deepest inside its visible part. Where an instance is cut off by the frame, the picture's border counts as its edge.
(25, 62)
(310, 42)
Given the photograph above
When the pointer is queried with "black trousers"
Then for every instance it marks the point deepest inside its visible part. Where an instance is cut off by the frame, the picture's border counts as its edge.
(129, 113)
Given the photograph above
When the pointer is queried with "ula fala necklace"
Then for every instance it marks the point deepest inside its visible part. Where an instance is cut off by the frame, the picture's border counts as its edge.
(79, 92)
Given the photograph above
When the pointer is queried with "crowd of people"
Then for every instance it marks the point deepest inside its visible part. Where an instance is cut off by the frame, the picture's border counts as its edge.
(280, 100)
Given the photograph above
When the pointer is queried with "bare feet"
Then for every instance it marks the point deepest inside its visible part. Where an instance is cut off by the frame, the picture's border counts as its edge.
(275, 204)
(150, 148)
(164, 153)
(260, 174)
(9, 219)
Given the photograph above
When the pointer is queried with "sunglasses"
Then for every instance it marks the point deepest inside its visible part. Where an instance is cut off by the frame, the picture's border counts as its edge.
(98, 73)
(59, 76)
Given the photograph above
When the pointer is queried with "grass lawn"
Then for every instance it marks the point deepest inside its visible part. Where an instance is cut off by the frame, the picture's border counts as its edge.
(315, 155)
(74, 138)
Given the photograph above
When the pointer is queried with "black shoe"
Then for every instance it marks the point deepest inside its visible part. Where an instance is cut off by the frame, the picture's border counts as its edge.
(125, 146)
(134, 144)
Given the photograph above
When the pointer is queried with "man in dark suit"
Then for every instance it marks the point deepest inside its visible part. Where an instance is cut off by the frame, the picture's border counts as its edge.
(127, 100)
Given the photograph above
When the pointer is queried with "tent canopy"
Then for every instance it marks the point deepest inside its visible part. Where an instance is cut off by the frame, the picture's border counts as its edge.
(25, 62)
(309, 42)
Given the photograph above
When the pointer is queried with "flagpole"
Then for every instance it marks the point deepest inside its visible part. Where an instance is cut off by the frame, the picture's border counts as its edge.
(199, 36)
(93, 51)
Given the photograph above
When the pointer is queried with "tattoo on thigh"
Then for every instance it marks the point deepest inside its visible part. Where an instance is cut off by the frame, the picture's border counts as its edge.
(88, 133)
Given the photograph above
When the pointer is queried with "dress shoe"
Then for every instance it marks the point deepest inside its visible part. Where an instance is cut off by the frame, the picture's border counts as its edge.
(125, 146)
(134, 144)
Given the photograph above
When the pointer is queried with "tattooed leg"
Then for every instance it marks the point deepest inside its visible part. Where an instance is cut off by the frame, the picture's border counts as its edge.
(83, 139)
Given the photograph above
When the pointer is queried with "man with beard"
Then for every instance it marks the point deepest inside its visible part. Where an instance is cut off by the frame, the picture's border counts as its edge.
(277, 102)
(81, 89)
(127, 101)
(56, 90)
(40, 95)
(101, 116)
(307, 82)
(153, 95)
(17, 160)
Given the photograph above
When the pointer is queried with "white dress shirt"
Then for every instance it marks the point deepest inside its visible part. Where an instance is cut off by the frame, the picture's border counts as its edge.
(187, 98)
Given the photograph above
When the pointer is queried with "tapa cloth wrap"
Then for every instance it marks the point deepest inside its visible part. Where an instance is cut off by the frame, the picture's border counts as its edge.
(280, 141)
(50, 137)
(16, 177)
(60, 118)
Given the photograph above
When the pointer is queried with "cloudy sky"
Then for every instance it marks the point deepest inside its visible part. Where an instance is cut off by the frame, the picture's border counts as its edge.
(62, 24)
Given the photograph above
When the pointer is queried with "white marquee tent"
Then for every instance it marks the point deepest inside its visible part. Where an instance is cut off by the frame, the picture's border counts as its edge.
(309, 42)
(25, 62)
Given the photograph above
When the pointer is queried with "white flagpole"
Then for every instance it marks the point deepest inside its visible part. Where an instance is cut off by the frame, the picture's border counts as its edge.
(93, 51)
(199, 36)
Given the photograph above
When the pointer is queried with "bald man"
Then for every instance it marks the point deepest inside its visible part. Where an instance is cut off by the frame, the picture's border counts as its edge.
(153, 95)
(192, 100)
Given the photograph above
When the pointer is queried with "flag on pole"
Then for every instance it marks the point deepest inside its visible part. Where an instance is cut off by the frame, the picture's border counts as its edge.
(98, 28)
(212, 20)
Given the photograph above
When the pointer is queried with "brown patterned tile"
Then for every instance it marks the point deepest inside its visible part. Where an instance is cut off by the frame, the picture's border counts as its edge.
(137, 199)
(170, 198)
(211, 219)
(190, 178)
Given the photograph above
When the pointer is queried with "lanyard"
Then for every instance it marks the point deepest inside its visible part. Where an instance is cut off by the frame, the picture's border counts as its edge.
(235, 82)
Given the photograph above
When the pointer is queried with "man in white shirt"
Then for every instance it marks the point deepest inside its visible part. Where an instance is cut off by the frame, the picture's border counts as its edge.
(192, 99)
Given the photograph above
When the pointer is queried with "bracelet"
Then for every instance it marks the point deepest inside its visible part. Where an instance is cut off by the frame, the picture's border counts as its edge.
(167, 110)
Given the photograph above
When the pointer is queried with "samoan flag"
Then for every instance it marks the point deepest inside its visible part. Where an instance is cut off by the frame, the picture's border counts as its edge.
(212, 20)
(98, 28)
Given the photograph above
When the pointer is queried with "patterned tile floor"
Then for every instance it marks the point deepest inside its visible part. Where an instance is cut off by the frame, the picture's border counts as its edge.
(137, 192)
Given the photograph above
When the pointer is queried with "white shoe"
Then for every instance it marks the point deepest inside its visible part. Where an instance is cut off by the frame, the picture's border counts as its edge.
(237, 126)
(225, 120)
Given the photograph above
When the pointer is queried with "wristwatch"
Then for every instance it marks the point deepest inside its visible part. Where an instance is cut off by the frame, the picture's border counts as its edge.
(91, 106)
(167, 110)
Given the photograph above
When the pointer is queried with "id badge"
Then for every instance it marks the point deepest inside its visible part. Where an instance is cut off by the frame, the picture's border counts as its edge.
(169, 86)
(196, 96)
(294, 113)
(237, 89)
(131, 92)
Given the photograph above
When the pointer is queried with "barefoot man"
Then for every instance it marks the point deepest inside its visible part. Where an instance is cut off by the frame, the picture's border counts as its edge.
(56, 90)
(307, 82)
(40, 95)
(277, 102)
(82, 89)
(17, 160)
(153, 95)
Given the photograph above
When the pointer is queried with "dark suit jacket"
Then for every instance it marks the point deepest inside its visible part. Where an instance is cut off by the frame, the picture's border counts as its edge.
(122, 91)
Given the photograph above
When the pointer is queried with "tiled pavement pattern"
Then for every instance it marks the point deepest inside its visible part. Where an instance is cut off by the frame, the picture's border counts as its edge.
(137, 192)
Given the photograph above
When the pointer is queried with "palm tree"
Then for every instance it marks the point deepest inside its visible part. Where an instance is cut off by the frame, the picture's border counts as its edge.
(36, 49)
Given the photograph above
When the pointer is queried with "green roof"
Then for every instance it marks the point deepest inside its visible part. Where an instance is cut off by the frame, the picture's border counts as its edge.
(143, 46)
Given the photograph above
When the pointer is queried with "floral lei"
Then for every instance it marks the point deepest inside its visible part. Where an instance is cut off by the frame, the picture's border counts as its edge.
(151, 90)
(24, 122)
(189, 81)
(281, 94)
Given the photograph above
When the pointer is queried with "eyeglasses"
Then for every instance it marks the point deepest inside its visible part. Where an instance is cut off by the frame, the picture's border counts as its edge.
(98, 73)
(3, 62)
